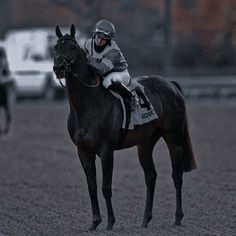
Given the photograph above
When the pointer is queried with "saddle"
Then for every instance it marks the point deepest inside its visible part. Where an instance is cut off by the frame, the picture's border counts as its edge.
(144, 111)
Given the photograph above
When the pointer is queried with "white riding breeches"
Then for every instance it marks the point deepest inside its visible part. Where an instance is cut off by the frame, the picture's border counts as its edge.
(122, 77)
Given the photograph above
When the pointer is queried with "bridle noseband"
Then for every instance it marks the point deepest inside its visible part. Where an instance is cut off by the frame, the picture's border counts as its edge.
(65, 61)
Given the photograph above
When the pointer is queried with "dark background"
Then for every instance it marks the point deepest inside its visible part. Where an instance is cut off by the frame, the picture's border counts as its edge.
(159, 35)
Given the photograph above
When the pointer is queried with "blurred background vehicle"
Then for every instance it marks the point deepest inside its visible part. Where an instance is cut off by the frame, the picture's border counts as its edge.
(30, 56)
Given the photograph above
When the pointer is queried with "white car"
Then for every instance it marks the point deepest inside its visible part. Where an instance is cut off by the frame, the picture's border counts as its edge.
(36, 80)
(30, 54)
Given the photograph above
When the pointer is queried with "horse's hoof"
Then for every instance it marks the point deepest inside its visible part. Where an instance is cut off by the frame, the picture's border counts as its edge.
(144, 225)
(95, 225)
(146, 220)
(92, 227)
(178, 218)
(178, 223)
(110, 224)
(110, 227)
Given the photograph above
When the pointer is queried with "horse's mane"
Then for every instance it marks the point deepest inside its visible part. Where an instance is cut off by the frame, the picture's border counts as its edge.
(92, 70)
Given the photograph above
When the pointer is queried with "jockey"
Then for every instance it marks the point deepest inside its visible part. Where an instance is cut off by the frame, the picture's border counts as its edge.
(104, 55)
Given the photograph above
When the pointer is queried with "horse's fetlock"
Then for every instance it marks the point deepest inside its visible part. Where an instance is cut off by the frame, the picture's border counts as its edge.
(149, 218)
(97, 219)
(178, 217)
(110, 222)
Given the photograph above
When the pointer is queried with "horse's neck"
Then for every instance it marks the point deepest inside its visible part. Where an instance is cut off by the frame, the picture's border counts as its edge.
(88, 102)
(82, 97)
(82, 69)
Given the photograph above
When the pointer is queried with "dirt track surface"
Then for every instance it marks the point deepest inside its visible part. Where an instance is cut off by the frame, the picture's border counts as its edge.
(43, 190)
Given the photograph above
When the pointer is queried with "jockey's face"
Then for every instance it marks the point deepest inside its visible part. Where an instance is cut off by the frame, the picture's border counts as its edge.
(100, 41)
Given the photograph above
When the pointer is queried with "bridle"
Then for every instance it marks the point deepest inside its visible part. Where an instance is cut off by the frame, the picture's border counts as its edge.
(67, 63)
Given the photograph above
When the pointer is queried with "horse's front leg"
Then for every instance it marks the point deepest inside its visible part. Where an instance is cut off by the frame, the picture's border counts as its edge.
(88, 163)
(107, 170)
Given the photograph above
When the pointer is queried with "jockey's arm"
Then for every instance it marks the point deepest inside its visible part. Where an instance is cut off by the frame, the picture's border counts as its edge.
(106, 64)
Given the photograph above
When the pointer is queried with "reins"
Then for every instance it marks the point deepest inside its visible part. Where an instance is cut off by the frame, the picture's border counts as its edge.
(62, 85)
(86, 85)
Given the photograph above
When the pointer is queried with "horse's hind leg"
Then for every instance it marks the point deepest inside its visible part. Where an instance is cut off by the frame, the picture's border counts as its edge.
(146, 160)
(177, 175)
(175, 149)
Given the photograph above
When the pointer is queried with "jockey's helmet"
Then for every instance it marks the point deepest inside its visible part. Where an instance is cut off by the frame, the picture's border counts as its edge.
(104, 29)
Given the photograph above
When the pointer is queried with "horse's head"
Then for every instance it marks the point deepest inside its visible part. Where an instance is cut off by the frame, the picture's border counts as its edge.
(66, 50)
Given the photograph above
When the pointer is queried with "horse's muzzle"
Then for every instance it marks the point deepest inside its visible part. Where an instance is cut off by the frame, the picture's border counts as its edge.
(59, 72)
(59, 67)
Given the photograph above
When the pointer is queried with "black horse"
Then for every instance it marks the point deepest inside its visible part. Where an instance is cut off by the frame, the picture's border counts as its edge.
(95, 122)
(5, 115)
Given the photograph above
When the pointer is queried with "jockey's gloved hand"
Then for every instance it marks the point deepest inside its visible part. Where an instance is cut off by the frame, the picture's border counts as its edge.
(91, 60)
(98, 64)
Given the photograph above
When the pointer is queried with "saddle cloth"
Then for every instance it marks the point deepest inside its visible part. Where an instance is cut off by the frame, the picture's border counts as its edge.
(141, 115)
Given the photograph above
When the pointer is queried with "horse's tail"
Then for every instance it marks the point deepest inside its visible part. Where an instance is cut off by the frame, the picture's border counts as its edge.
(177, 86)
(188, 159)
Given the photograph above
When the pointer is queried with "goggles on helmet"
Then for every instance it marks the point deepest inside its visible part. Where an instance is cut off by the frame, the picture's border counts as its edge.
(103, 34)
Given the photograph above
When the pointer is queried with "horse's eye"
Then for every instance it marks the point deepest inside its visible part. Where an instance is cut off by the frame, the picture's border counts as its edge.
(72, 47)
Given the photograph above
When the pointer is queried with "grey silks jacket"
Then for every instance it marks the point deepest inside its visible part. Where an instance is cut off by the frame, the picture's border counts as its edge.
(109, 60)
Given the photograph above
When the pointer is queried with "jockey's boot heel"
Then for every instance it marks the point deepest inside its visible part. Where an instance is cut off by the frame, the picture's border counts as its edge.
(125, 93)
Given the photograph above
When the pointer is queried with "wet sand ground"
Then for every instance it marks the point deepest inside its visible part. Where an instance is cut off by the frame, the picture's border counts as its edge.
(43, 189)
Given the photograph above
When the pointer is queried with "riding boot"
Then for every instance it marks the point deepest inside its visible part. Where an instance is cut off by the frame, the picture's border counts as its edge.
(124, 92)
(143, 97)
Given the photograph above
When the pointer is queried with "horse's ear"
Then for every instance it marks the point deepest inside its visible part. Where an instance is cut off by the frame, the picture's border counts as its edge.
(72, 30)
(58, 32)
